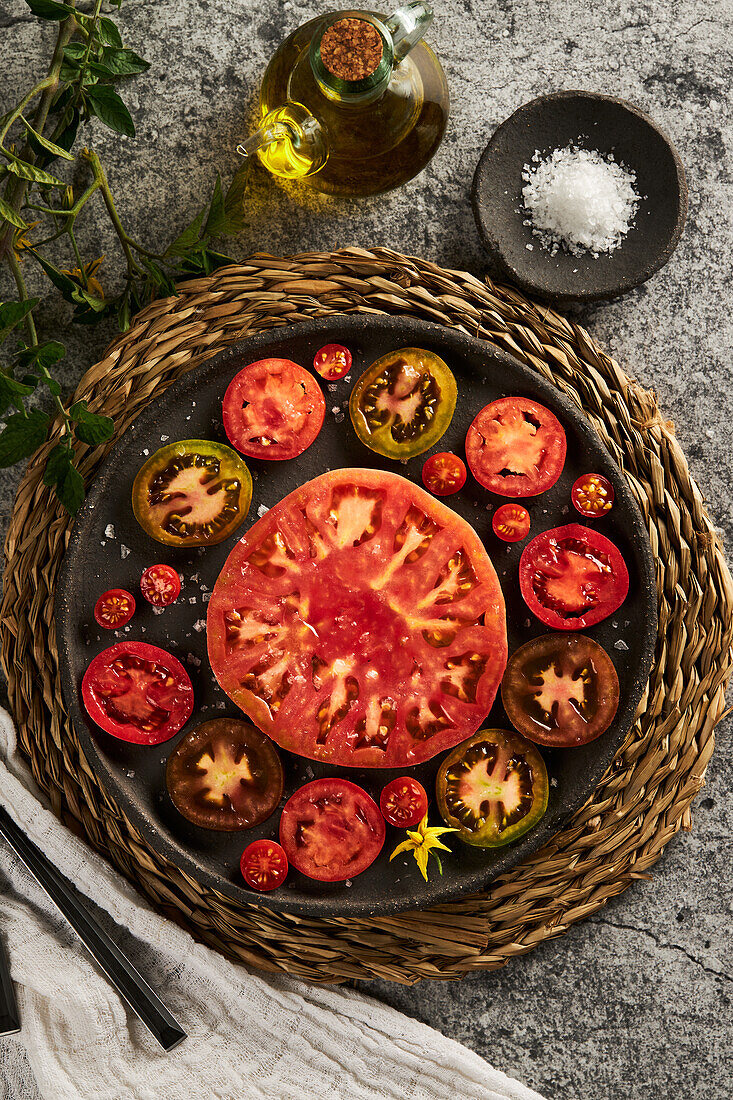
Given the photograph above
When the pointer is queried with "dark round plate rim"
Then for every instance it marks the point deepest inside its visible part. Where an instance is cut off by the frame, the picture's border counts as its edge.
(625, 284)
(407, 331)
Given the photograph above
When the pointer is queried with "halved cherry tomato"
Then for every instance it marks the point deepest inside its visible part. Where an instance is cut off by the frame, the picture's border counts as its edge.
(160, 585)
(493, 788)
(192, 493)
(114, 608)
(560, 690)
(511, 522)
(264, 865)
(444, 473)
(403, 802)
(225, 775)
(593, 495)
(137, 692)
(360, 622)
(516, 447)
(331, 830)
(572, 577)
(273, 409)
(332, 362)
(403, 403)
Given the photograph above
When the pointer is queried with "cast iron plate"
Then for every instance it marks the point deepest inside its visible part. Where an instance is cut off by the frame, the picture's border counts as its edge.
(99, 558)
(595, 122)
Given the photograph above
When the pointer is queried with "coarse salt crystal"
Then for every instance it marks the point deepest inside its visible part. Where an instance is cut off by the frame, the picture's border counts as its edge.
(200, 625)
(124, 551)
(579, 200)
(262, 510)
(110, 530)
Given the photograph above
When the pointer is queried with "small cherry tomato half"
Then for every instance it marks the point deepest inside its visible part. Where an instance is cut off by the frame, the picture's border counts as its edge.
(560, 690)
(516, 447)
(273, 409)
(331, 830)
(137, 692)
(160, 585)
(332, 362)
(493, 788)
(114, 608)
(403, 802)
(593, 495)
(572, 577)
(264, 865)
(444, 473)
(511, 522)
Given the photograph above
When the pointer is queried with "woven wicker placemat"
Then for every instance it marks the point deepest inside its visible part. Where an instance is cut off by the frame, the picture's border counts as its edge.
(645, 797)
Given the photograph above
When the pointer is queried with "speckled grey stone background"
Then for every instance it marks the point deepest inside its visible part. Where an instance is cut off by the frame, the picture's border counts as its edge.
(636, 1002)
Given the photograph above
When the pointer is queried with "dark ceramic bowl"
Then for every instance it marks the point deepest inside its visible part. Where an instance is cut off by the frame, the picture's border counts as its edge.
(597, 122)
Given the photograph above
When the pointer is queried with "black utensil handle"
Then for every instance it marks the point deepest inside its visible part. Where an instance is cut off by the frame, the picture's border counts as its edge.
(9, 1015)
(128, 982)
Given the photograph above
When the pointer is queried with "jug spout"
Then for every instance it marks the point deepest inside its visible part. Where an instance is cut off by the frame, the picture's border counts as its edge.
(289, 142)
(407, 26)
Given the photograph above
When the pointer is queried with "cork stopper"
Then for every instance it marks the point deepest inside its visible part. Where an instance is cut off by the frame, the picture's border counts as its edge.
(351, 49)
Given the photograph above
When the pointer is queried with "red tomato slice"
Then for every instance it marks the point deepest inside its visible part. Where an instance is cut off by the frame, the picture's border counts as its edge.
(511, 522)
(403, 802)
(264, 865)
(572, 577)
(160, 585)
(444, 473)
(138, 693)
(332, 362)
(516, 447)
(273, 409)
(361, 622)
(593, 495)
(114, 608)
(331, 830)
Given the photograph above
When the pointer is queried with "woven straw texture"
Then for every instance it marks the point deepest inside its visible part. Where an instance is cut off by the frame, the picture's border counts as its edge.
(645, 797)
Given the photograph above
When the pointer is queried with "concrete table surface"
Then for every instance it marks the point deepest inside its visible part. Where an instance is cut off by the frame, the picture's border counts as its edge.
(636, 1002)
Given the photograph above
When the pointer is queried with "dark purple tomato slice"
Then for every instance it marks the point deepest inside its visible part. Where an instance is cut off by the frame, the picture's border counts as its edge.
(225, 775)
(560, 690)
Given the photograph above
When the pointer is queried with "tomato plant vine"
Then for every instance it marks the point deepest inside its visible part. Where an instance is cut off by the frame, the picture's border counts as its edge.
(39, 139)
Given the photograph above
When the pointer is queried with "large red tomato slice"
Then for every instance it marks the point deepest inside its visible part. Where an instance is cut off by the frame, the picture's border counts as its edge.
(572, 577)
(360, 621)
(516, 447)
(137, 692)
(331, 830)
(273, 409)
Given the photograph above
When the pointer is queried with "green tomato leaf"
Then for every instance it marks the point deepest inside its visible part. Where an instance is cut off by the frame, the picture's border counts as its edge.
(45, 355)
(21, 436)
(49, 9)
(30, 172)
(234, 200)
(108, 107)
(108, 33)
(90, 427)
(70, 488)
(57, 463)
(122, 62)
(12, 392)
(12, 313)
(9, 215)
(49, 146)
(216, 218)
(189, 238)
(62, 282)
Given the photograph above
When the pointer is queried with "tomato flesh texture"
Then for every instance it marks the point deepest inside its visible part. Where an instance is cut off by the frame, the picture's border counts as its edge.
(593, 495)
(332, 362)
(560, 690)
(359, 622)
(138, 693)
(225, 775)
(114, 608)
(493, 788)
(572, 577)
(444, 474)
(273, 409)
(403, 403)
(331, 830)
(516, 447)
(403, 802)
(160, 585)
(192, 493)
(264, 865)
(511, 522)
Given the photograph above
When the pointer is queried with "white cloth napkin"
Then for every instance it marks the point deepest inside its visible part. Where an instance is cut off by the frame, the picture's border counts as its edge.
(249, 1036)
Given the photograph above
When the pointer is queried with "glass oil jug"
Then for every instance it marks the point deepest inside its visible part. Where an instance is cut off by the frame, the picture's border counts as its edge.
(352, 103)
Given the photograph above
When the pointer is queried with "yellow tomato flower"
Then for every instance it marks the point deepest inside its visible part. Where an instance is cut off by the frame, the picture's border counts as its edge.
(21, 242)
(93, 284)
(421, 842)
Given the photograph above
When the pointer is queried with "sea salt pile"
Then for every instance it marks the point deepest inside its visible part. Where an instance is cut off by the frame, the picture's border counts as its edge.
(579, 200)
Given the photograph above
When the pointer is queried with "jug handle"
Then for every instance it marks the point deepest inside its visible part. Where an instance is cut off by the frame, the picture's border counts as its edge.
(407, 26)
